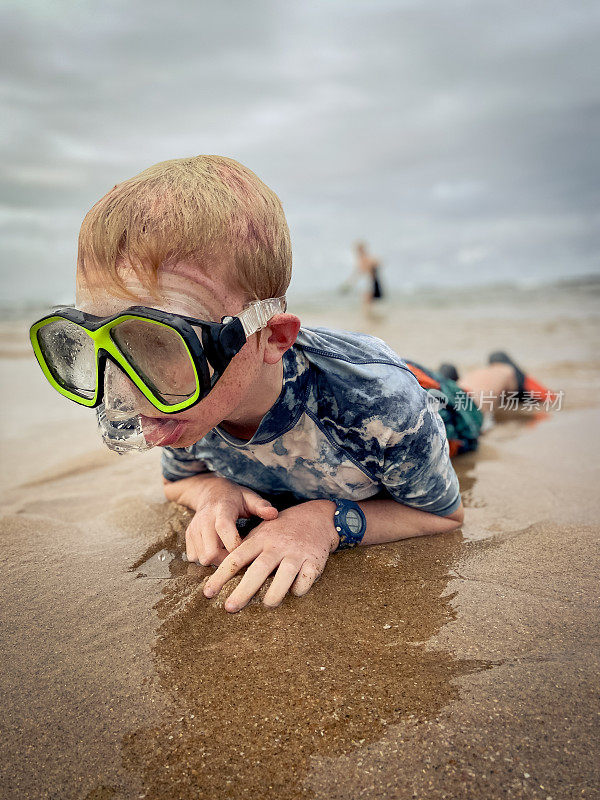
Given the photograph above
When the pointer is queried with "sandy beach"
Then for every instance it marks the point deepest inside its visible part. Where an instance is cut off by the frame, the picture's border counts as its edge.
(457, 666)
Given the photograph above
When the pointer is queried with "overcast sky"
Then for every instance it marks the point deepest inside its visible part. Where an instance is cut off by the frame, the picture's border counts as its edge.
(459, 137)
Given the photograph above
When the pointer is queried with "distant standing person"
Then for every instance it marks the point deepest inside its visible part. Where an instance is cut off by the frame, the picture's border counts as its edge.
(370, 266)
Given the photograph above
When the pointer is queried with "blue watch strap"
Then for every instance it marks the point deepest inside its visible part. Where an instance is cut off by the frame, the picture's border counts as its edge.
(350, 523)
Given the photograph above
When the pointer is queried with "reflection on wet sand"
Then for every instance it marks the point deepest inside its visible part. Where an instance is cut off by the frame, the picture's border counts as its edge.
(255, 695)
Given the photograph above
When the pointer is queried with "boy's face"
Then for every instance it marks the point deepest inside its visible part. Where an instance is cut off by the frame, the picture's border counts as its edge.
(184, 290)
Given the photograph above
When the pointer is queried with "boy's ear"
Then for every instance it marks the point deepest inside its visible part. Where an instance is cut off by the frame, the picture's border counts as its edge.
(282, 331)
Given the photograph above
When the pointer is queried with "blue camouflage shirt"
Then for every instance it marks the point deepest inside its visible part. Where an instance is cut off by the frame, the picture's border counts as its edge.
(351, 422)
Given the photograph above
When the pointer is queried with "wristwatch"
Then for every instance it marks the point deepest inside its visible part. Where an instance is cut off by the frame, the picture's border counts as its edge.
(350, 523)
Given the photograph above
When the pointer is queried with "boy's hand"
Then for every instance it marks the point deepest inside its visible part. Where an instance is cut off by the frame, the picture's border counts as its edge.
(218, 503)
(297, 544)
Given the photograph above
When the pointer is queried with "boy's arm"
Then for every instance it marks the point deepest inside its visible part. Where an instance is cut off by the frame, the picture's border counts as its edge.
(389, 521)
(297, 544)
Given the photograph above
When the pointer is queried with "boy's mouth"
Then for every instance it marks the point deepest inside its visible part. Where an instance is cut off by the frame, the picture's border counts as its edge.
(161, 432)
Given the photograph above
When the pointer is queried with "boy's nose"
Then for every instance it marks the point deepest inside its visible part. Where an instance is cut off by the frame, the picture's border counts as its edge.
(122, 398)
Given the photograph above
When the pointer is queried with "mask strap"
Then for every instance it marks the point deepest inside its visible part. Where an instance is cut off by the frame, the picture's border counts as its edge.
(257, 315)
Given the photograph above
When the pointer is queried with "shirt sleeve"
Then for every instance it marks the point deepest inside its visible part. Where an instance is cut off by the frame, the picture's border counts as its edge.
(417, 470)
(178, 463)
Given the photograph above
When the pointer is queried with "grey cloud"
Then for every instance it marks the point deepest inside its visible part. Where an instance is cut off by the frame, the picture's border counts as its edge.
(458, 136)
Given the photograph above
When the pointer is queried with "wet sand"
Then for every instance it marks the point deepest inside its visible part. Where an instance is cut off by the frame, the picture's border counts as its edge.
(461, 666)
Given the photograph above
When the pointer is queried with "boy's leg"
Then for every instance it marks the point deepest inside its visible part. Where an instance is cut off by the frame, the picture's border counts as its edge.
(503, 376)
(489, 383)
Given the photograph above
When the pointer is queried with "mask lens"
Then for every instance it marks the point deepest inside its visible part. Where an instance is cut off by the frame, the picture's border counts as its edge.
(70, 356)
(160, 357)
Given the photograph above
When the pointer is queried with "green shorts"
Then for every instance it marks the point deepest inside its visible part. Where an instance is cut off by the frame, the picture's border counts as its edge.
(462, 418)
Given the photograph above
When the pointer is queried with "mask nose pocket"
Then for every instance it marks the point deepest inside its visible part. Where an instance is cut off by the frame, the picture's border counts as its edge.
(122, 399)
(118, 416)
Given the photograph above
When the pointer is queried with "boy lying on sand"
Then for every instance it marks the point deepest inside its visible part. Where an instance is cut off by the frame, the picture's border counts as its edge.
(328, 437)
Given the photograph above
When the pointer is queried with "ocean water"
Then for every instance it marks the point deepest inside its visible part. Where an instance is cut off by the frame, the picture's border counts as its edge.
(458, 138)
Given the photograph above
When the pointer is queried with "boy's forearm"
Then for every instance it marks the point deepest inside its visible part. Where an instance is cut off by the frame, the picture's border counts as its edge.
(389, 521)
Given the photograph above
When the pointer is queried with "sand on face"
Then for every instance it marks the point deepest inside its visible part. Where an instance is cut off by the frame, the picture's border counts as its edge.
(461, 665)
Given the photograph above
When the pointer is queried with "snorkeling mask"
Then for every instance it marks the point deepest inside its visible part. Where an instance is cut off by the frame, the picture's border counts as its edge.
(173, 360)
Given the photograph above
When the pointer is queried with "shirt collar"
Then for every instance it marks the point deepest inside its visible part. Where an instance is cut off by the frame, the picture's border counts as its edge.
(288, 407)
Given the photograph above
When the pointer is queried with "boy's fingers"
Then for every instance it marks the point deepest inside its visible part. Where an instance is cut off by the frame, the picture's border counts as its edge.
(211, 549)
(256, 574)
(257, 505)
(199, 541)
(202, 543)
(230, 566)
(192, 538)
(280, 586)
(227, 532)
(306, 577)
(190, 551)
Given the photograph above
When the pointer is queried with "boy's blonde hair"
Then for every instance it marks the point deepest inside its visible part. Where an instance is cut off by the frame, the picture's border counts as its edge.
(188, 209)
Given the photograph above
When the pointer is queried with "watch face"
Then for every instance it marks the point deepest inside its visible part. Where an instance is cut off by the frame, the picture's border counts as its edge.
(353, 520)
